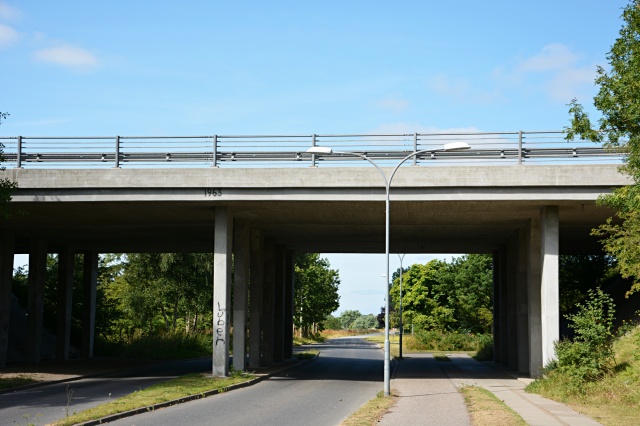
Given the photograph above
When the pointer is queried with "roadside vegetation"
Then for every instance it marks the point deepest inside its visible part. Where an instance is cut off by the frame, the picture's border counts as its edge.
(193, 384)
(485, 409)
(598, 372)
(371, 413)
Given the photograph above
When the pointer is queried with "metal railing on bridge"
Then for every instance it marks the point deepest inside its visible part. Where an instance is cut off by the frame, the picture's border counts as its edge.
(508, 148)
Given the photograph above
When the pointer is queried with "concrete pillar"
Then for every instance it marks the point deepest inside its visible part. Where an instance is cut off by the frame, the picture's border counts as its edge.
(65, 292)
(534, 269)
(255, 297)
(289, 285)
(221, 290)
(7, 243)
(504, 309)
(549, 292)
(278, 305)
(241, 256)
(522, 302)
(512, 302)
(268, 324)
(89, 285)
(35, 309)
(497, 324)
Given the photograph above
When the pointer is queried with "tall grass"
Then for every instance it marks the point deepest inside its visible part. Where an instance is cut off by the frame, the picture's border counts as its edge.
(159, 347)
(436, 340)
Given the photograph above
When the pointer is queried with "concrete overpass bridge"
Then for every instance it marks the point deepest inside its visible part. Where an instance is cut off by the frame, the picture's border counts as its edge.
(524, 197)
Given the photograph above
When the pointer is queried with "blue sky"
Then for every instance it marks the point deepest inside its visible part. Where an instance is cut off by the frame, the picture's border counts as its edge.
(285, 67)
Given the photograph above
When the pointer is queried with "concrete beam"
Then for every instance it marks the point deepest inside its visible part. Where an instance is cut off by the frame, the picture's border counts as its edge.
(66, 263)
(534, 279)
(89, 285)
(278, 305)
(37, 278)
(268, 304)
(522, 307)
(512, 302)
(289, 288)
(222, 290)
(7, 242)
(256, 297)
(549, 292)
(241, 256)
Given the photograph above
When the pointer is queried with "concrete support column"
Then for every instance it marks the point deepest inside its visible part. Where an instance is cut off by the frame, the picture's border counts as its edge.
(503, 302)
(7, 243)
(241, 256)
(497, 309)
(256, 298)
(534, 269)
(221, 290)
(268, 324)
(549, 292)
(65, 293)
(89, 285)
(278, 305)
(522, 307)
(512, 303)
(289, 285)
(35, 309)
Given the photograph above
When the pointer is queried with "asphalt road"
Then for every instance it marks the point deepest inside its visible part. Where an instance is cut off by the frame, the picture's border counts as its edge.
(347, 374)
(46, 404)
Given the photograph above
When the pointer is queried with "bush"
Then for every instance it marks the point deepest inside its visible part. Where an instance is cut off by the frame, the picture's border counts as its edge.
(590, 355)
(160, 347)
(436, 340)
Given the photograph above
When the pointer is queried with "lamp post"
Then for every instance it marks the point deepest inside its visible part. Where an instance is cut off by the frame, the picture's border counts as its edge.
(323, 150)
(401, 257)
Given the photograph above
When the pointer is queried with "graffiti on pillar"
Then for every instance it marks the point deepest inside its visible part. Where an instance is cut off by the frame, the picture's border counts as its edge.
(220, 324)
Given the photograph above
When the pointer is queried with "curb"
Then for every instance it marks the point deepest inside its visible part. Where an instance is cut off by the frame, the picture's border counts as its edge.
(189, 398)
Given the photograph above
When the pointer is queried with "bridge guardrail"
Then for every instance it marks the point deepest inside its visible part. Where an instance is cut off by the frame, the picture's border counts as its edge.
(290, 150)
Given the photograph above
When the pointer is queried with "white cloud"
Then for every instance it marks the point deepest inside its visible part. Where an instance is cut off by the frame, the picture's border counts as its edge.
(564, 77)
(394, 104)
(554, 56)
(8, 36)
(67, 56)
(8, 12)
(461, 89)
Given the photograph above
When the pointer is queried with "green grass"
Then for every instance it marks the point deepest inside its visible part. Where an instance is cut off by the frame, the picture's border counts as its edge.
(192, 384)
(14, 382)
(613, 400)
(310, 354)
(370, 413)
(485, 409)
(160, 347)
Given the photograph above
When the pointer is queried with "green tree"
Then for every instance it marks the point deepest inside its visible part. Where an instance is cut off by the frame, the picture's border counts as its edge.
(164, 290)
(348, 317)
(6, 186)
(364, 322)
(332, 323)
(619, 128)
(316, 292)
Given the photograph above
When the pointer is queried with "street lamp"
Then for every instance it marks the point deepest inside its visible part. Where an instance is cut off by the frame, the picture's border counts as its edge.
(323, 150)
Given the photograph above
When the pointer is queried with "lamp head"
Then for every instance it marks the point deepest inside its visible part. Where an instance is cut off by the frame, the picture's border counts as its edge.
(321, 150)
(456, 146)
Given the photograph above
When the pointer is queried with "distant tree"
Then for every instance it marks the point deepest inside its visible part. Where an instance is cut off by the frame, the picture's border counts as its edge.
(364, 322)
(316, 292)
(6, 186)
(332, 323)
(348, 317)
(619, 126)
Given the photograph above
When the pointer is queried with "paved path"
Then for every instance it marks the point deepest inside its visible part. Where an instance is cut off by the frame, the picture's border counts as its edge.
(427, 394)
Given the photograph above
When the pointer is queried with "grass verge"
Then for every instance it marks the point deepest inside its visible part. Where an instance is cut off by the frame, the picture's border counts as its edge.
(485, 409)
(309, 354)
(371, 412)
(192, 384)
(14, 382)
(613, 400)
